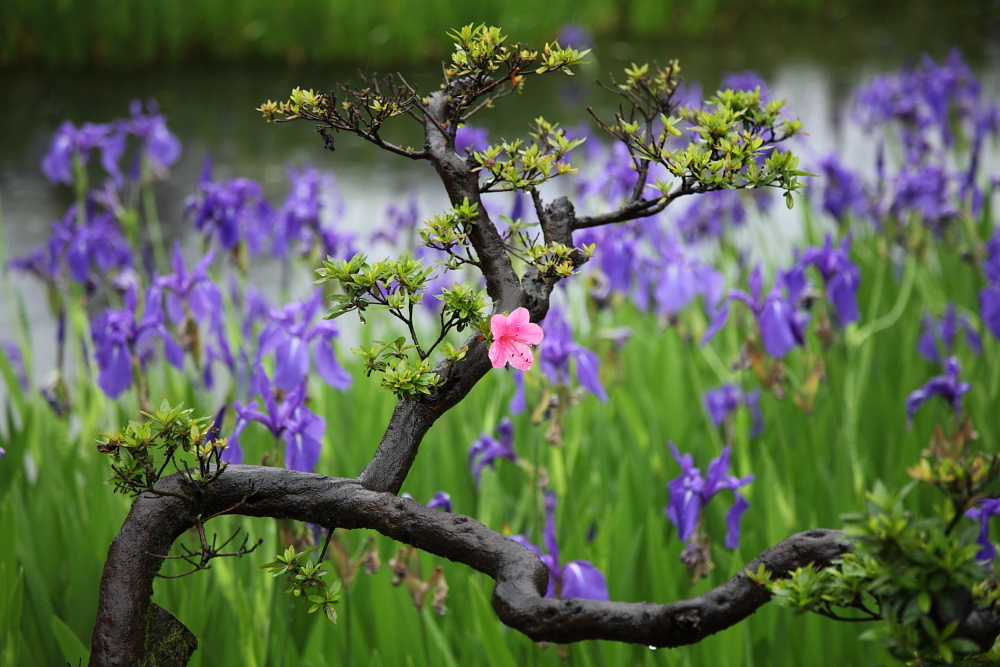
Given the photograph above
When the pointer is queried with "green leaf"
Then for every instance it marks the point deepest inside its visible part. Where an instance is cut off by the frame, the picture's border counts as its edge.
(73, 650)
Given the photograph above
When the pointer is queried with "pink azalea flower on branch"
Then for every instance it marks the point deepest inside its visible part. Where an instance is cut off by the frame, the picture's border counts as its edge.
(511, 337)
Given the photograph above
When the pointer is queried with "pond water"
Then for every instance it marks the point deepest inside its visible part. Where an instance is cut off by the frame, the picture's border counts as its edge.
(814, 64)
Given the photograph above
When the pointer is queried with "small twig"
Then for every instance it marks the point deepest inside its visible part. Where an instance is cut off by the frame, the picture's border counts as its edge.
(828, 613)
(326, 545)
(207, 552)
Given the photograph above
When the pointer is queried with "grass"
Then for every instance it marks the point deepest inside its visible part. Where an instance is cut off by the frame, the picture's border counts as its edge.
(132, 33)
(57, 518)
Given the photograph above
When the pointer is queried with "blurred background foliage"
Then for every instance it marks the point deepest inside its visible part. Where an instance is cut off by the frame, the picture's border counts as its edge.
(125, 34)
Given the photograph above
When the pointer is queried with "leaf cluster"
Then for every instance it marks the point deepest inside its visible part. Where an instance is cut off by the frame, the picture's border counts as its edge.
(482, 63)
(516, 166)
(449, 233)
(481, 66)
(726, 144)
(395, 286)
(912, 576)
(400, 374)
(949, 465)
(305, 581)
(556, 260)
(481, 49)
(141, 451)
(360, 111)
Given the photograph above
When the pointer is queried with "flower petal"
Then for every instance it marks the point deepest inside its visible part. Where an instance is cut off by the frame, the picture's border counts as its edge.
(498, 356)
(519, 355)
(580, 579)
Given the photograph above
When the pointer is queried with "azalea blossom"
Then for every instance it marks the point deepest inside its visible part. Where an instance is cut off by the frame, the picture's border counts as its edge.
(511, 337)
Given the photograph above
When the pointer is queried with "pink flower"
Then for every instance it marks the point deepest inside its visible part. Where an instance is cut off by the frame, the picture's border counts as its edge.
(511, 337)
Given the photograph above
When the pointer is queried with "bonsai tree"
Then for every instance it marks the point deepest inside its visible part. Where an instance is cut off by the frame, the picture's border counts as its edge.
(730, 142)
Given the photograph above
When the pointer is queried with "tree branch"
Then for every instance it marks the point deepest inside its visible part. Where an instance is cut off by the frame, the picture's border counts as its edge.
(155, 521)
(413, 417)
(632, 210)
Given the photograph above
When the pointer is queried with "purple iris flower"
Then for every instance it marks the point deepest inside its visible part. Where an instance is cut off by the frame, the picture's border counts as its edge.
(619, 257)
(747, 80)
(194, 301)
(559, 349)
(690, 492)
(300, 218)
(234, 211)
(575, 579)
(929, 190)
(16, 360)
(615, 179)
(723, 401)
(946, 386)
(255, 307)
(989, 296)
(986, 123)
(679, 276)
(193, 291)
(710, 215)
(487, 449)
(840, 276)
(214, 431)
(576, 36)
(158, 145)
(97, 243)
(440, 501)
(401, 221)
(290, 333)
(89, 248)
(123, 338)
(69, 142)
(843, 193)
(303, 438)
(518, 402)
(937, 339)
(290, 419)
(987, 509)
(924, 100)
(39, 262)
(469, 139)
(782, 326)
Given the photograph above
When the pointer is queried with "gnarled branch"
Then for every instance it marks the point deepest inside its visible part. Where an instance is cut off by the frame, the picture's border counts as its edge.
(155, 521)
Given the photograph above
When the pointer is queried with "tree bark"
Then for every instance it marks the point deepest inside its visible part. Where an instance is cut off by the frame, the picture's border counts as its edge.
(128, 623)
